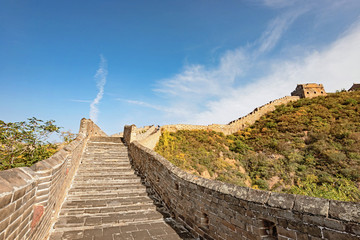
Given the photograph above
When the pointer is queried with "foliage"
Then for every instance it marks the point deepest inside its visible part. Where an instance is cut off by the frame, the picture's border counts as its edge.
(202, 153)
(24, 143)
(67, 136)
(310, 146)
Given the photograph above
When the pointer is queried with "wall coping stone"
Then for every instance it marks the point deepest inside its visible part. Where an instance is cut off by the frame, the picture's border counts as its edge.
(41, 166)
(257, 196)
(15, 177)
(5, 187)
(348, 211)
(281, 200)
(313, 205)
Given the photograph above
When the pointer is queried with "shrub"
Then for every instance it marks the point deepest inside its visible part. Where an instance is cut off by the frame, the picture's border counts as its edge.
(25, 143)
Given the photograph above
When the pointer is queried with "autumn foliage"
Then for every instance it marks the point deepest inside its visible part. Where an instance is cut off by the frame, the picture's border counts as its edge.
(310, 147)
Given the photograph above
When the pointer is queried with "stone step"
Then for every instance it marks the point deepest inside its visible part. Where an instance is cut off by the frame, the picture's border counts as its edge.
(105, 149)
(111, 202)
(105, 196)
(96, 149)
(109, 172)
(113, 173)
(109, 188)
(107, 199)
(99, 147)
(78, 193)
(105, 181)
(100, 155)
(133, 190)
(106, 139)
(119, 160)
(154, 229)
(104, 165)
(98, 211)
(115, 218)
(107, 158)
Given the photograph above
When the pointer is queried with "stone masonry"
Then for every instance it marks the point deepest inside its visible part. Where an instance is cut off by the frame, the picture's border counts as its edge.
(30, 197)
(211, 209)
(309, 90)
(107, 200)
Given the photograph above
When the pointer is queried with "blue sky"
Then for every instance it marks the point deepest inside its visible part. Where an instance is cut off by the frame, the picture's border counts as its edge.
(163, 62)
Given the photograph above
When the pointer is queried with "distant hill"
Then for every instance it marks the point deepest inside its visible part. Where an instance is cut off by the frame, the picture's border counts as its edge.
(309, 147)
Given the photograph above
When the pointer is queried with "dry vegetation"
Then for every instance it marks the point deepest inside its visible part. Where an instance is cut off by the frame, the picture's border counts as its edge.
(310, 147)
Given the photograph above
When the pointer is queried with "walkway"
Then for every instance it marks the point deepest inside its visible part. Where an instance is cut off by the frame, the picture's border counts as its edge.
(107, 200)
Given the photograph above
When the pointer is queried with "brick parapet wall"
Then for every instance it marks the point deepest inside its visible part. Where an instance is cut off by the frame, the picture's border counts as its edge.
(129, 134)
(216, 210)
(235, 125)
(30, 197)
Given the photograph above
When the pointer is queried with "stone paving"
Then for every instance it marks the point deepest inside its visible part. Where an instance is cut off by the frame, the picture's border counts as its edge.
(107, 199)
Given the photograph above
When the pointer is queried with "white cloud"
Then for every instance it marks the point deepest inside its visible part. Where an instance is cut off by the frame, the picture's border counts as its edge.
(336, 67)
(100, 77)
(197, 87)
(245, 78)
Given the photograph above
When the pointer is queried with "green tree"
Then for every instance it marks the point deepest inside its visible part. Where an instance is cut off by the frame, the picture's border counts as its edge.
(25, 143)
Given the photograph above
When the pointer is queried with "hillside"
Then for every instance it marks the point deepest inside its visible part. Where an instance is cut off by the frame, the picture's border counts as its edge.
(310, 147)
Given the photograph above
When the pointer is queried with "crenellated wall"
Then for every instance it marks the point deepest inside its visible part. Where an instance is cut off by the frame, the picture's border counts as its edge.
(215, 210)
(238, 124)
(30, 197)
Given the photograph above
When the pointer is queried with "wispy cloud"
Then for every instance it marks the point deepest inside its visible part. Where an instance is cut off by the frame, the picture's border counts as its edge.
(100, 78)
(197, 86)
(245, 77)
(144, 104)
(276, 28)
(167, 110)
(79, 100)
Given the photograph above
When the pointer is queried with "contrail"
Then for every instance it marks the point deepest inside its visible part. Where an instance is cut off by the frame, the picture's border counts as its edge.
(100, 77)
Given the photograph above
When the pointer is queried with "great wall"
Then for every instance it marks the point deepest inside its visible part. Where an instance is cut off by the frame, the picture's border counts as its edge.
(97, 187)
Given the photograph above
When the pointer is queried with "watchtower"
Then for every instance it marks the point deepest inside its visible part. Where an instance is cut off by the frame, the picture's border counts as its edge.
(355, 87)
(309, 90)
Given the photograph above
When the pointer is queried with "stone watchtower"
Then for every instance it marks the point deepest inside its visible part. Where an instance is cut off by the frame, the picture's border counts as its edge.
(355, 87)
(309, 90)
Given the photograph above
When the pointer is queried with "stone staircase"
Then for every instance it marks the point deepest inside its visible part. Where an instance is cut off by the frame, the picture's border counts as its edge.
(107, 200)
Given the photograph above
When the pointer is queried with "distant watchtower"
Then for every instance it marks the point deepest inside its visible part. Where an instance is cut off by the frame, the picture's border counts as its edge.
(355, 87)
(309, 90)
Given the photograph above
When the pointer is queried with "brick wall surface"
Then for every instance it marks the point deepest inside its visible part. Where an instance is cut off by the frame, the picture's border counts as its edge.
(30, 198)
(216, 210)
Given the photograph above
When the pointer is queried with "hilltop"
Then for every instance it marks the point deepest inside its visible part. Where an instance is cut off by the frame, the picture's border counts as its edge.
(310, 146)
